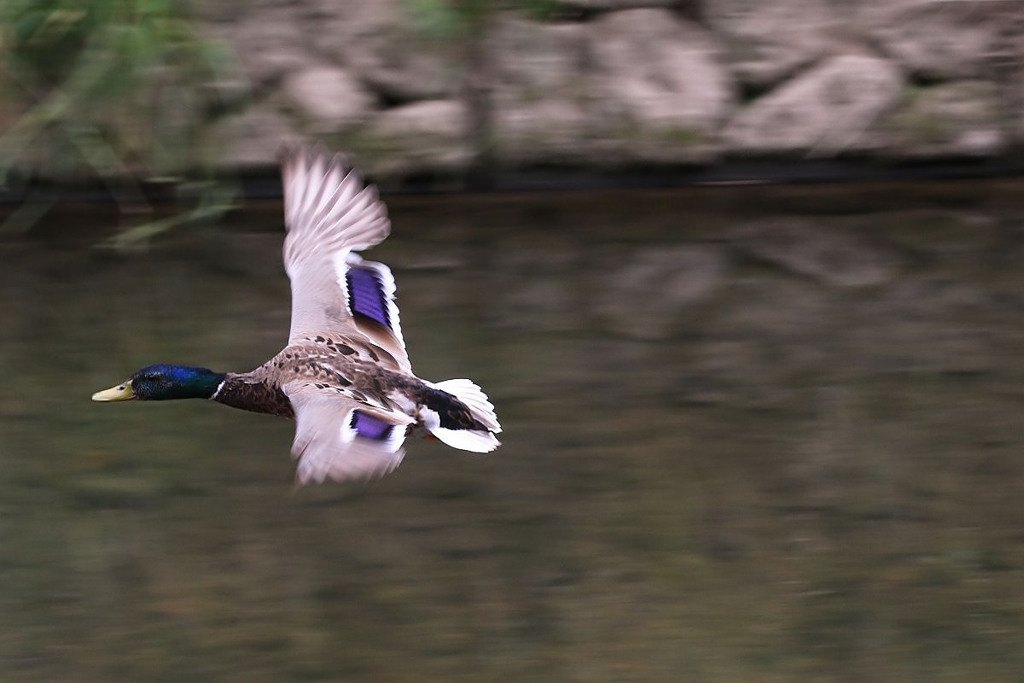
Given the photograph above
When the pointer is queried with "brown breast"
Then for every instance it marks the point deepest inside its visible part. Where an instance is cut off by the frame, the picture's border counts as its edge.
(260, 396)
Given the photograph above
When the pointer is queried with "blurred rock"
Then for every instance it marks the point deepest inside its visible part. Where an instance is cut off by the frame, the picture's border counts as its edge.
(399, 73)
(337, 31)
(381, 42)
(660, 90)
(835, 256)
(328, 98)
(385, 47)
(825, 111)
(540, 93)
(424, 136)
(611, 5)
(766, 41)
(934, 40)
(642, 294)
(250, 140)
(625, 83)
(269, 43)
(951, 119)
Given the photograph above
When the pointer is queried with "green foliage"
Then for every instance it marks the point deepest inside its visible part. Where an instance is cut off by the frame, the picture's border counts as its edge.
(444, 20)
(437, 20)
(541, 9)
(115, 90)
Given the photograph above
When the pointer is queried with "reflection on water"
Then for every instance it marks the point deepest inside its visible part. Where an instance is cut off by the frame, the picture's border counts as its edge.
(741, 442)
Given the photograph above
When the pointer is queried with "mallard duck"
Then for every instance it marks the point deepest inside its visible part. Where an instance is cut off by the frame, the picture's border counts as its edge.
(344, 376)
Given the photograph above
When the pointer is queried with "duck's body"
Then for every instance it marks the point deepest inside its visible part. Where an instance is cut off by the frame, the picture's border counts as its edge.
(334, 366)
(344, 376)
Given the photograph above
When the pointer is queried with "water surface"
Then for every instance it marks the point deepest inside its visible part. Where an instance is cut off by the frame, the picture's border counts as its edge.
(749, 435)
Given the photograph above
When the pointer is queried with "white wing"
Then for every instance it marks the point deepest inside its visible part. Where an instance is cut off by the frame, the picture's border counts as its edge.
(340, 439)
(330, 213)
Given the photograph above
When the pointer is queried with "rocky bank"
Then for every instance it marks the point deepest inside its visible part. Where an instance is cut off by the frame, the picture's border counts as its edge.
(412, 87)
(611, 83)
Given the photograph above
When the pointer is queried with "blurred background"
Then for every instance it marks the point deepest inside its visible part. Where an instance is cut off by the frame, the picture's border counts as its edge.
(742, 279)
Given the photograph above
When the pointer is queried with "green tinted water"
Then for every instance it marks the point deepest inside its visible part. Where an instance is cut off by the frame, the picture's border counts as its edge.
(720, 462)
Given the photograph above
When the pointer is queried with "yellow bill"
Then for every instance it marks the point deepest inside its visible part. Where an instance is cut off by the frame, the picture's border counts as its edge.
(122, 392)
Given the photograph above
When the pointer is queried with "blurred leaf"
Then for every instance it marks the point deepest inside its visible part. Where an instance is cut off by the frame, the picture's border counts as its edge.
(115, 89)
(435, 19)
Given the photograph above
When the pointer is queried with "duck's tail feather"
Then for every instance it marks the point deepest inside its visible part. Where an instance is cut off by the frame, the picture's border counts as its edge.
(468, 422)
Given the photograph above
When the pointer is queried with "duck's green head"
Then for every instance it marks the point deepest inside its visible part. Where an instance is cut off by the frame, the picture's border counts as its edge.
(164, 382)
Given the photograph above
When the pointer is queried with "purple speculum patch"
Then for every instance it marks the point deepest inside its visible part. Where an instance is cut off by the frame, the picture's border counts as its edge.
(366, 295)
(370, 427)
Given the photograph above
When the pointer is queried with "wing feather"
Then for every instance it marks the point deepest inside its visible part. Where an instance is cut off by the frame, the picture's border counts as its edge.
(330, 213)
(328, 443)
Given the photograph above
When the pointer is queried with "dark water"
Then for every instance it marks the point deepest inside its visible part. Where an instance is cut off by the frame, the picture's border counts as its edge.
(749, 435)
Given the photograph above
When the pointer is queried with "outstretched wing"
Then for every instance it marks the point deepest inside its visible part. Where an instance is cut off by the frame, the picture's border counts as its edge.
(339, 439)
(330, 213)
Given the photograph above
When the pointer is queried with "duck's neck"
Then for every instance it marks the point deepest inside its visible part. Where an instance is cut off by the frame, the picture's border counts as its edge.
(246, 392)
